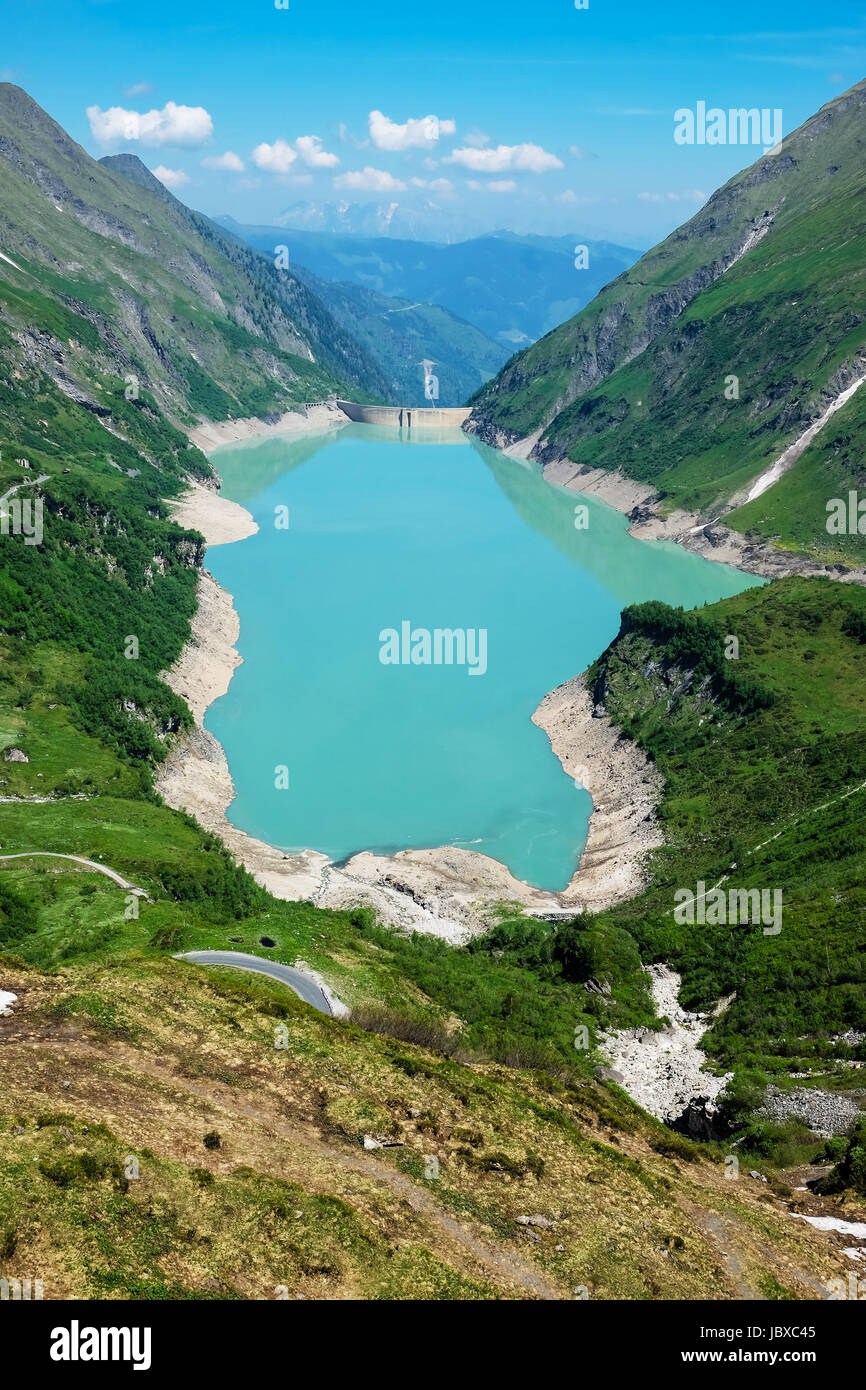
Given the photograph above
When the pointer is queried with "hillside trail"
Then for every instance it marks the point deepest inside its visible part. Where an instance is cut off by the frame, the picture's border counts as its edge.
(721, 1234)
(79, 859)
(813, 811)
(730, 1240)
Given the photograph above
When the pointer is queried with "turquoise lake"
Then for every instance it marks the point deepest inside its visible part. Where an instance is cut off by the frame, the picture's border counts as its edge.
(443, 532)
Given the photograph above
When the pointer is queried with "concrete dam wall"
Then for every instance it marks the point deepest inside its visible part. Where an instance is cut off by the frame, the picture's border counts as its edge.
(405, 416)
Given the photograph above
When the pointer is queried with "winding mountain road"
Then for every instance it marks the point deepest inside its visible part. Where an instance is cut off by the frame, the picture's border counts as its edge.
(305, 987)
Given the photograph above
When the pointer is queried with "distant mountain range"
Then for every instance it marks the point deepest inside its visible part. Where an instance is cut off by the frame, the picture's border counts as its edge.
(514, 288)
(420, 221)
(700, 365)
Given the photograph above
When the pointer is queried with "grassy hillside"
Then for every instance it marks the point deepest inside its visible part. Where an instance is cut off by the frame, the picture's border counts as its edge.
(254, 1182)
(764, 284)
(794, 511)
(765, 775)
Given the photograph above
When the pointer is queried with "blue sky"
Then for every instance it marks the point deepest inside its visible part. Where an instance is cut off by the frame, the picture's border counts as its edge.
(550, 119)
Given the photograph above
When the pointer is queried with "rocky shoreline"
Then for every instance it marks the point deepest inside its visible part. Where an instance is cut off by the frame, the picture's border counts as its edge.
(208, 436)
(708, 538)
(626, 790)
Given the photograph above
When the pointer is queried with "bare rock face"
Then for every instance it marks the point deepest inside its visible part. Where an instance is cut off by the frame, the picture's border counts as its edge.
(609, 1074)
(15, 755)
(700, 1119)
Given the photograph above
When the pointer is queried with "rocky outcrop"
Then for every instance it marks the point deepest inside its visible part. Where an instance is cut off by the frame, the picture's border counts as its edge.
(717, 542)
(700, 1120)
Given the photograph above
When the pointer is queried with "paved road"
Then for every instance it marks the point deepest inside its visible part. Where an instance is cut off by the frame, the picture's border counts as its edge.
(77, 859)
(303, 986)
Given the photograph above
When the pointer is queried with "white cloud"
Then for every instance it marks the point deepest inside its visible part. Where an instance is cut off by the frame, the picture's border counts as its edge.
(372, 180)
(531, 157)
(173, 125)
(568, 196)
(477, 139)
(348, 138)
(229, 160)
(422, 133)
(300, 179)
(172, 178)
(309, 147)
(435, 185)
(277, 158)
(138, 89)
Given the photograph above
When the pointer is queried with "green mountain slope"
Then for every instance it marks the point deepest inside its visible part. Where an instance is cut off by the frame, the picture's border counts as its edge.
(795, 510)
(103, 269)
(400, 335)
(766, 284)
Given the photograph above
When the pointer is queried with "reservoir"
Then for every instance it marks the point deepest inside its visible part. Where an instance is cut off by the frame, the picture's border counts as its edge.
(343, 730)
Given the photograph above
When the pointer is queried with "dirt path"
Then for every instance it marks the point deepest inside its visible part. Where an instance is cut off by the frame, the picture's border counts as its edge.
(721, 1235)
(813, 811)
(77, 859)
